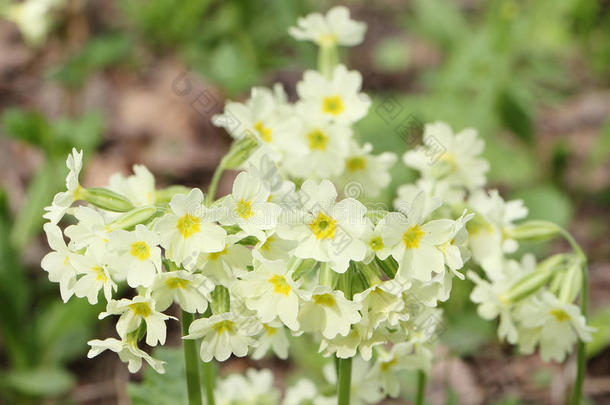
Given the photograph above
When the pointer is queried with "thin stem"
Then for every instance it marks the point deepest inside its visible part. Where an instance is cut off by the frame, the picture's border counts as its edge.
(191, 362)
(421, 387)
(584, 298)
(208, 381)
(328, 57)
(214, 184)
(581, 355)
(344, 381)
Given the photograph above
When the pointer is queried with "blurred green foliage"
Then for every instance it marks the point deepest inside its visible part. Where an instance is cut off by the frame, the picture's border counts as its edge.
(40, 333)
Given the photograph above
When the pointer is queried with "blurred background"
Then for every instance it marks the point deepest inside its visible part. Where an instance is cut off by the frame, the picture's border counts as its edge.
(137, 81)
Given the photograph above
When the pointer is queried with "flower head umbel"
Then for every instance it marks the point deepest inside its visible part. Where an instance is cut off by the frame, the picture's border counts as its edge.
(189, 229)
(334, 28)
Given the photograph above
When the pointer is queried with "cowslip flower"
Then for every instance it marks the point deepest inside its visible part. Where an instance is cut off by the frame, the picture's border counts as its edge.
(453, 158)
(255, 387)
(248, 208)
(62, 201)
(223, 334)
(328, 312)
(306, 392)
(139, 253)
(263, 117)
(370, 172)
(191, 291)
(338, 99)
(135, 311)
(225, 266)
(401, 357)
(553, 324)
(91, 228)
(416, 243)
(487, 232)
(327, 231)
(128, 351)
(271, 292)
(273, 337)
(139, 188)
(272, 247)
(334, 28)
(189, 229)
(59, 262)
(94, 275)
(326, 147)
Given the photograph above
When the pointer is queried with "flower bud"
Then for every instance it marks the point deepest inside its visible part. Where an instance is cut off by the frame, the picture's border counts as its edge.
(221, 301)
(534, 231)
(106, 199)
(240, 151)
(532, 282)
(571, 282)
(134, 217)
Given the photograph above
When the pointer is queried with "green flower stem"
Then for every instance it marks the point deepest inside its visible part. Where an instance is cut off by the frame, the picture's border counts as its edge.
(191, 362)
(421, 387)
(208, 371)
(209, 198)
(344, 381)
(344, 377)
(576, 398)
(328, 57)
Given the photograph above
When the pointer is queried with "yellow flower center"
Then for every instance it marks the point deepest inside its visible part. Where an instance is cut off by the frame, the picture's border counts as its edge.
(385, 366)
(332, 105)
(141, 309)
(175, 282)
(214, 256)
(263, 131)
(323, 227)
(100, 274)
(328, 39)
(317, 140)
(140, 250)
(280, 285)
(224, 326)
(267, 245)
(244, 209)
(188, 225)
(270, 330)
(376, 243)
(355, 163)
(560, 315)
(324, 299)
(412, 237)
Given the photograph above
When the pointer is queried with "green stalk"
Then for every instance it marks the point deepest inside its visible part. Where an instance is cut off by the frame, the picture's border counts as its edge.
(344, 381)
(191, 362)
(209, 198)
(576, 398)
(208, 381)
(344, 377)
(421, 387)
(328, 57)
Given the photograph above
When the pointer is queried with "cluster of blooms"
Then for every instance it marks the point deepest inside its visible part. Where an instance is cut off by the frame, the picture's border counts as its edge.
(285, 254)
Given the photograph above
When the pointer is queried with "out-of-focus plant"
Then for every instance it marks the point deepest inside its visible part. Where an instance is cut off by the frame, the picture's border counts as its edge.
(40, 336)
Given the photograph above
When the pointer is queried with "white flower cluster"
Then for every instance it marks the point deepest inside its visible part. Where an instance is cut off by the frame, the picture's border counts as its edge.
(284, 254)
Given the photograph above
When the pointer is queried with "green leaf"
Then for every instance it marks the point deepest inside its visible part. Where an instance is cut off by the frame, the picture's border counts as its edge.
(99, 53)
(40, 382)
(30, 127)
(47, 181)
(514, 114)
